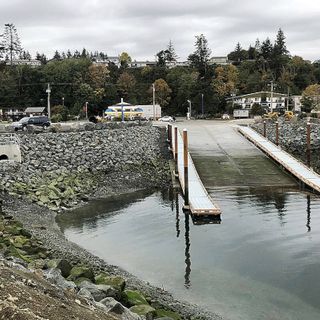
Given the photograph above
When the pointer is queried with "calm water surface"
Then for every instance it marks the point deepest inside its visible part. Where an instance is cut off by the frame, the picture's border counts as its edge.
(261, 262)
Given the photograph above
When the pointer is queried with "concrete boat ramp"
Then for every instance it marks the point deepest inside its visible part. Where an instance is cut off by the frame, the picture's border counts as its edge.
(219, 158)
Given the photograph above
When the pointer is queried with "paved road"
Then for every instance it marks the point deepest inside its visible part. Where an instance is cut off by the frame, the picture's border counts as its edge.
(223, 157)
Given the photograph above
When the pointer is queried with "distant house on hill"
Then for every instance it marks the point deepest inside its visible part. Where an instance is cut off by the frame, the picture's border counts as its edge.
(262, 98)
(222, 61)
(27, 62)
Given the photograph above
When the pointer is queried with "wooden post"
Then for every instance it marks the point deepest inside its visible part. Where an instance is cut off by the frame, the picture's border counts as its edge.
(308, 144)
(176, 150)
(277, 133)
(185, 164)
(264, 129)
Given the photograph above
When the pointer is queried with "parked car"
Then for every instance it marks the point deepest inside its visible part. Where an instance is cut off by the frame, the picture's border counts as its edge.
(22, 124)
(225, 116)
(166, 119)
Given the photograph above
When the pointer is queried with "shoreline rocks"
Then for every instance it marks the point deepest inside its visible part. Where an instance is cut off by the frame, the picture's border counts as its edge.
(293, 138)
(61, 170)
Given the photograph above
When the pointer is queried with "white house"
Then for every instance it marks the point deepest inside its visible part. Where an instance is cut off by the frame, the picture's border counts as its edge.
(142, 64)
(262, 98)
(222, 61)
(32, 62)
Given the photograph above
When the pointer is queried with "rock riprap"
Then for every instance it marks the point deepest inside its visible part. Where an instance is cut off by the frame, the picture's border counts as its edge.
(293, 138)
(60, 169)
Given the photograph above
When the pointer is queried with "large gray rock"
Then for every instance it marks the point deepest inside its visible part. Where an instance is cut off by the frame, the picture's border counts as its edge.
(55, 277)
(100, 291)
(85, 293)
(114, 307)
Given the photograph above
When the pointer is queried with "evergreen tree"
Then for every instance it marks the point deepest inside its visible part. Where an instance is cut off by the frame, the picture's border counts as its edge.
(10, 41)
(171, 53)
(252, 53)
(69, 54)
(76, 54)
(57, 56)
(84, 53)
(280, 48)
(266, 49)
(200, 57)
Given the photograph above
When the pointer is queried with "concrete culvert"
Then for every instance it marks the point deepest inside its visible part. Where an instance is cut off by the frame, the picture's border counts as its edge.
(3, 157)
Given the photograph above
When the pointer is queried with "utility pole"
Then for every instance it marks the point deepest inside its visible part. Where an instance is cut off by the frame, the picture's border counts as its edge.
(48, 91)
(87, 110)
(190, 103)
(288, 99)
(202, 106)
(271, 109)
(154, 101)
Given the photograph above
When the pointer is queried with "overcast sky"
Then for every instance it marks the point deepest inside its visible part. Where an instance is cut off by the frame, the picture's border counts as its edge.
(144, 27)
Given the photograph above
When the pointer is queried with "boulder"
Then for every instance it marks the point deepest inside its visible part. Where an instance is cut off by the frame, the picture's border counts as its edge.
(81, 272)
(85, 293)
(100, 291)
(133, 297)
(54, 276)
(114, 307)
(80, 280)
(116, 282)
(61, 264)
(144, 310)
(161, 313)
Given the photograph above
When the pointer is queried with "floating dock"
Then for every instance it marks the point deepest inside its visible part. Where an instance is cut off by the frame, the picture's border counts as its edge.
(200, 202)
(291, 164)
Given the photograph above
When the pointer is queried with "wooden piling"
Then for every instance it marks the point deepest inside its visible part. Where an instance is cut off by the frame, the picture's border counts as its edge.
(264, 129)
(309, 144)
(277, 133)
(185, 164)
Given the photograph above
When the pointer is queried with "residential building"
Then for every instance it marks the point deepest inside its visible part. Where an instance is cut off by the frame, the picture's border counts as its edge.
(32, 62)
(142, 64)
(114, 60)
(263, 98)
(222, 61)
(174, 64)
(35, 111)
(296, 103)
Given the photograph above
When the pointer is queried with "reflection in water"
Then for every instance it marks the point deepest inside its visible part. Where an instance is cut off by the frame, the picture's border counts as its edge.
(187, 260)
(278, 262)
(308, 213)
(177, 214)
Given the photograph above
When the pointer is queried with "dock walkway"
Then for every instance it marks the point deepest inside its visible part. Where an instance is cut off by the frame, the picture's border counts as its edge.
(200, 202)
(291, 164)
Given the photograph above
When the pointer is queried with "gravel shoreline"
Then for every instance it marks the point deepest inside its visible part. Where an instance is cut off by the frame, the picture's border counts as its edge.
(41, 223)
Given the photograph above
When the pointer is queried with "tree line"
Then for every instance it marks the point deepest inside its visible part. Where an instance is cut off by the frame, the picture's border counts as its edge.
(77, 78)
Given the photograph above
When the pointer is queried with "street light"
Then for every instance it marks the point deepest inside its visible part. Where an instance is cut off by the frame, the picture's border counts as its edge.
(63, 101)
(48, 91)
(154, 101)
(87, 110)
(202, 106)
(189, 107)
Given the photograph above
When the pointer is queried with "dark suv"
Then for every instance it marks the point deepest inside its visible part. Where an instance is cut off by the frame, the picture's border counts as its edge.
(41, 121)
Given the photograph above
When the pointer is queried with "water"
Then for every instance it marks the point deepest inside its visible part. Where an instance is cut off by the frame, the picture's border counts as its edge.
(261, 262)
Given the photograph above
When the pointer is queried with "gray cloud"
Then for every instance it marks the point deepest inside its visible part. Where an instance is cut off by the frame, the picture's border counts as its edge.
(142, 28)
